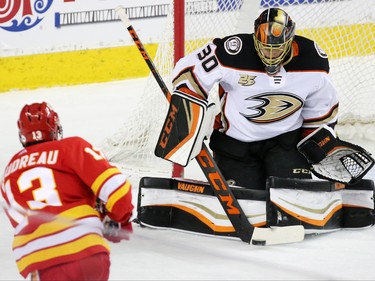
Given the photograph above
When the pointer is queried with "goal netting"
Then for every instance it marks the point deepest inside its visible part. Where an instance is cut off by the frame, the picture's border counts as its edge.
(343, 28)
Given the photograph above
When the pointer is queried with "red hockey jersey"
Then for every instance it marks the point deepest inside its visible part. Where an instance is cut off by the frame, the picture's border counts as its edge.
(51, 190)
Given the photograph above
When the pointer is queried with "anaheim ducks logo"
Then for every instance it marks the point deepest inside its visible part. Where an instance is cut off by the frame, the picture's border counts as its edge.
(272, 107)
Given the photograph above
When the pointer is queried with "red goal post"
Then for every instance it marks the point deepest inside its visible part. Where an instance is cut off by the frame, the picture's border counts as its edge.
(179, 51)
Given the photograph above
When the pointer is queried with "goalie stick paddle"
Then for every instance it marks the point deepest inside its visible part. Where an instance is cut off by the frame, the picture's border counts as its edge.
(221, 189)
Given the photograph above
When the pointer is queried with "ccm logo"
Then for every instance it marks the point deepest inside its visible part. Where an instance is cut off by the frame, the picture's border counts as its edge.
(138, 43)
(217, 182)
(324, 141)
(168, 126)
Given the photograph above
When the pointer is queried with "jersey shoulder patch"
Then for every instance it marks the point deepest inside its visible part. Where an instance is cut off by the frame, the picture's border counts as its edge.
(238, 51)
(308, 56)
(233, 45)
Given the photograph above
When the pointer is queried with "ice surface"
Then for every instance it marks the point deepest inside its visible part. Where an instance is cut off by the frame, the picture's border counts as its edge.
(97, 111)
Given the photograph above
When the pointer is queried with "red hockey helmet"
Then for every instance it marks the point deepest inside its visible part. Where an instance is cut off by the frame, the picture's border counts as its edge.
(273, 36)
(38, 122)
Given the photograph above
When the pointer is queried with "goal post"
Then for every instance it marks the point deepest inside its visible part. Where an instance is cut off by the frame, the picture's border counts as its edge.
(345, 29)
(179, 29)
(179, 52)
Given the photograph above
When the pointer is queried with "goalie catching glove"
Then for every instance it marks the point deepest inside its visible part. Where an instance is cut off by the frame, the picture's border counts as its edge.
(189, 121)
(335, 159)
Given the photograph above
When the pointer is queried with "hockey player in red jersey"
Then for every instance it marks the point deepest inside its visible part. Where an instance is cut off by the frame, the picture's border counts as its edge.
(51, 188)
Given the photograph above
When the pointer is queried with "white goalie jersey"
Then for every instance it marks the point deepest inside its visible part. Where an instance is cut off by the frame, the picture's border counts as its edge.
(254, 105)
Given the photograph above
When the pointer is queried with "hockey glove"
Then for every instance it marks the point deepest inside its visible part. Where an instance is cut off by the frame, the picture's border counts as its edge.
(334, 159)
(115, 232)
(100, 207)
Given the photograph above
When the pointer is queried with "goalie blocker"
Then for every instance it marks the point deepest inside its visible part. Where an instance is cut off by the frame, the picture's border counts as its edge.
(189, 121)
(318, 205)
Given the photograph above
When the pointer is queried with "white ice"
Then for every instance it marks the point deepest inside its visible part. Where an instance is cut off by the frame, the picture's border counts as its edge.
(97, 111)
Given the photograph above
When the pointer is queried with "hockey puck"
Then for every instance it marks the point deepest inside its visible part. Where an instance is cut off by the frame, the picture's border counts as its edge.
(259, 242)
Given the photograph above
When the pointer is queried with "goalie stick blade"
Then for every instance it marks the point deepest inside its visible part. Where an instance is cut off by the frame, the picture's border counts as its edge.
(278, 235)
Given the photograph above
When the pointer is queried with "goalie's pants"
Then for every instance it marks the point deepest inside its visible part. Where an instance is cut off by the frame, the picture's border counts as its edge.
(249, 164)
(95, 267)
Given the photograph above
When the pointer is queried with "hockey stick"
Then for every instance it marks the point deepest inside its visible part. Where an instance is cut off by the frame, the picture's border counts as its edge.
(221, 189)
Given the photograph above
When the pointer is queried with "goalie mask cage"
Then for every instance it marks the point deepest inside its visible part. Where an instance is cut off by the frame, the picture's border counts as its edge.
(344, 29)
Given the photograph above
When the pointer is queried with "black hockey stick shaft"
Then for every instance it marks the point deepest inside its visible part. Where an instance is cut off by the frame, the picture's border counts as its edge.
(205, 160)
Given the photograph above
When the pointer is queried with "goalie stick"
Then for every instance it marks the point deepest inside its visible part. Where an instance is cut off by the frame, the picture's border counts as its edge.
(222, 191)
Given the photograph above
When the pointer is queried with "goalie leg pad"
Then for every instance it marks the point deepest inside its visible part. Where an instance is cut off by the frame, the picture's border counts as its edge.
(316, 211)
(320, 206)
(358, 204)
(189, 121)
(191, 206)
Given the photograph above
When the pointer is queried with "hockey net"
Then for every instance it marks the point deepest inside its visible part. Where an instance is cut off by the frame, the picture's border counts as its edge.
(344, 29)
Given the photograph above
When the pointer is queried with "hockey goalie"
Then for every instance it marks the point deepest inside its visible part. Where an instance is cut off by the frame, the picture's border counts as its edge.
(272, 120)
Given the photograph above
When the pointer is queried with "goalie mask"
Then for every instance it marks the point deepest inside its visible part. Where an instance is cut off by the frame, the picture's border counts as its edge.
(38, 122)
(273, 36)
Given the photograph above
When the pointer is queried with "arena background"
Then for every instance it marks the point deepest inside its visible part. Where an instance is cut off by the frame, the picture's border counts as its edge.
(69, 43)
